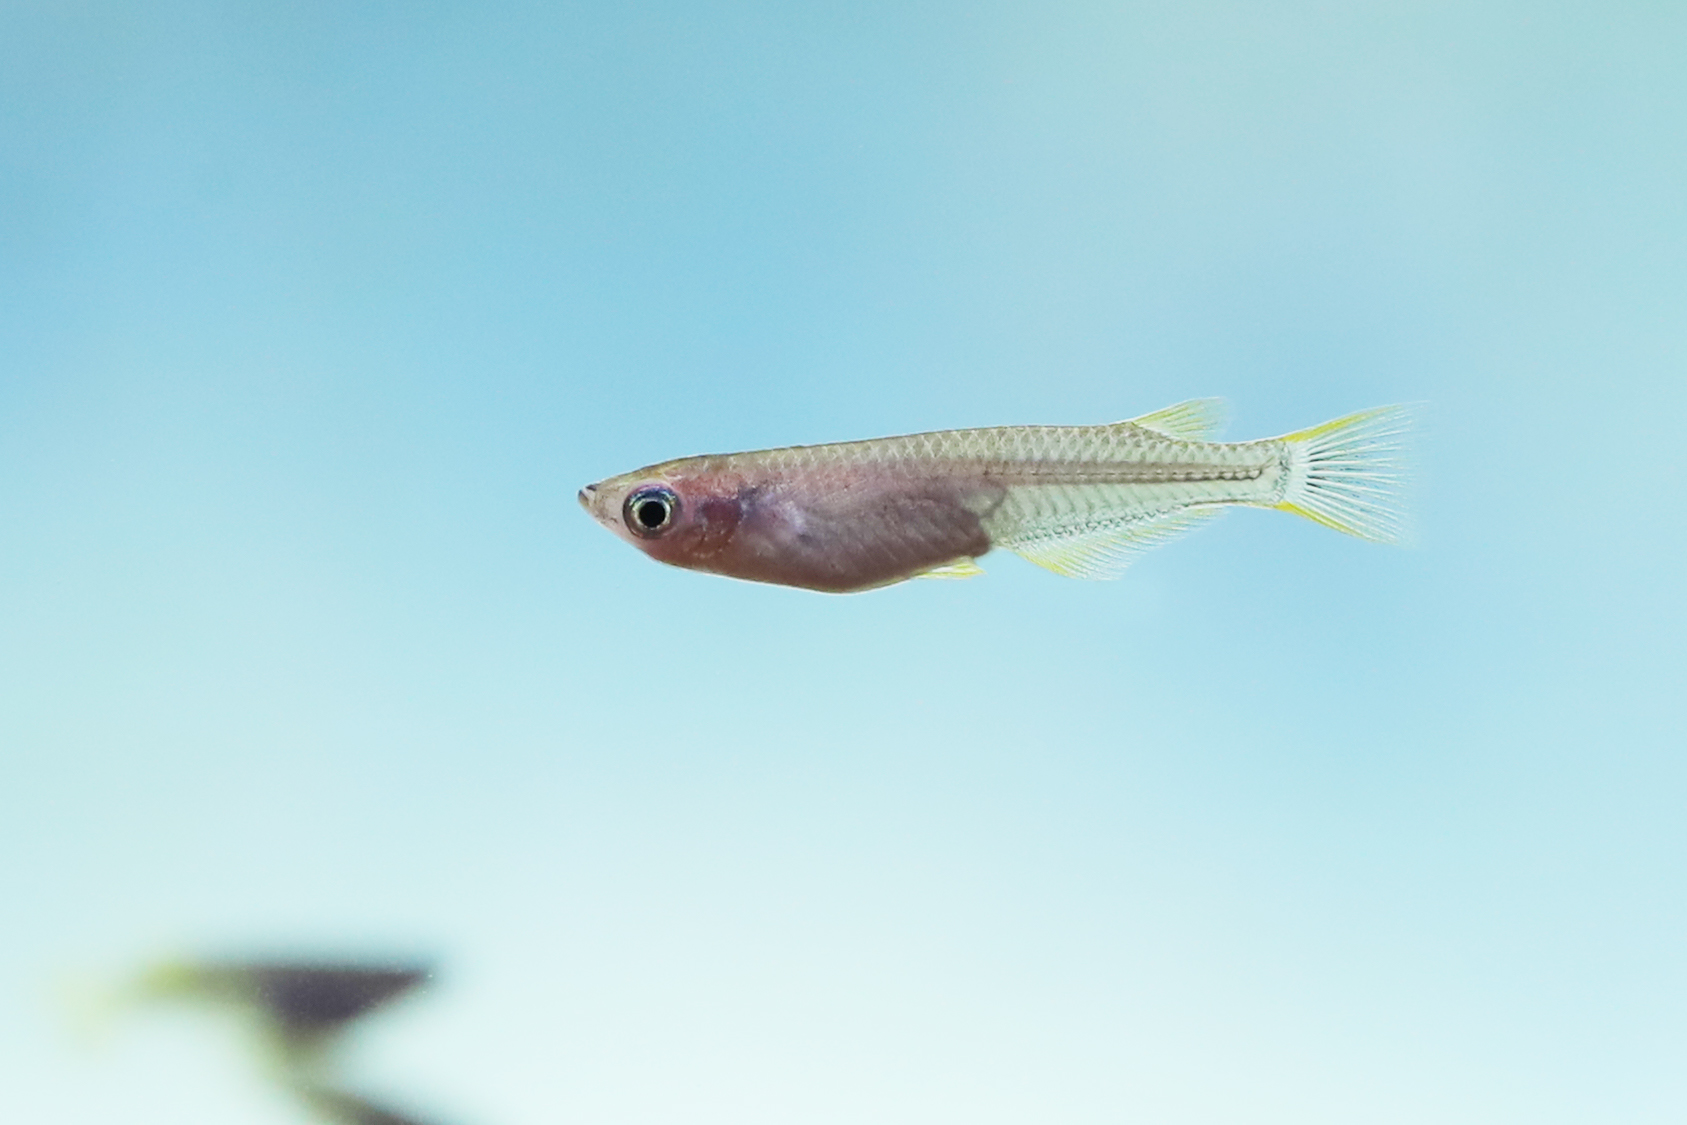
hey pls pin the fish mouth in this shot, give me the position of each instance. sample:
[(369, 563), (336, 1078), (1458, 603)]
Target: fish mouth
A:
[(587, 496)]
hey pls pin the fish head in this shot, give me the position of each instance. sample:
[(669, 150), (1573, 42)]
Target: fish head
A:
[(679, 512)]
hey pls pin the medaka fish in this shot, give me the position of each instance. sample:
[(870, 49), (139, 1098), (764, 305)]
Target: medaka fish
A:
[(1082, 501)]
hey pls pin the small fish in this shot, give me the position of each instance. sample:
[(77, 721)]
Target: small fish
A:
[(1082, 501)]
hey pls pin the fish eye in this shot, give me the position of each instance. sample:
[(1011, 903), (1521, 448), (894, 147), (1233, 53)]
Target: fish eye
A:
[(650, 511)]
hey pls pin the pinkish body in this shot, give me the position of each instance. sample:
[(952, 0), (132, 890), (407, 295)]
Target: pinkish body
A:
[(835, 528)]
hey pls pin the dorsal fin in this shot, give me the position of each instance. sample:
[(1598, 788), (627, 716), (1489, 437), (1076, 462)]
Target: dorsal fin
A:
[(1199, 419), (1105, 551)]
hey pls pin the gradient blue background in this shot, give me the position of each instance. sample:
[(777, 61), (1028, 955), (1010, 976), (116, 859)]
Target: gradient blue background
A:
[(313, 317)]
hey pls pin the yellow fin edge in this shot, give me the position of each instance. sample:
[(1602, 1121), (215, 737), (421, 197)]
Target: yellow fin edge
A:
[(1198, 419), (1344, 422), (1307, 513)]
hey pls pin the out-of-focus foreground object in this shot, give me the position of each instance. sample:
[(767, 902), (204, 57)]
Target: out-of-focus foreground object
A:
[(300, 1011)]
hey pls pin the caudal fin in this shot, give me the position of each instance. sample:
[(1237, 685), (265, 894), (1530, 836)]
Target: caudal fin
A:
[(1351, 473)]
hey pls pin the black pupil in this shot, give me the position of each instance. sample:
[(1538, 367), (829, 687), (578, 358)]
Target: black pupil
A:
[(651, 514)]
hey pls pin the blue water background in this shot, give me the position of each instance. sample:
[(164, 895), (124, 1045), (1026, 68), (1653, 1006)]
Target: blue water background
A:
[(313, 317)]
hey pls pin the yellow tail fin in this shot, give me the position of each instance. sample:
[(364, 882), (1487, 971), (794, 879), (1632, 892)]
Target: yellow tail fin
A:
[(1351, 473)]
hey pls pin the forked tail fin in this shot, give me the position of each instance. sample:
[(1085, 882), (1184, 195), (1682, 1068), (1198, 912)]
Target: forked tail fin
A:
[(1351, 474)]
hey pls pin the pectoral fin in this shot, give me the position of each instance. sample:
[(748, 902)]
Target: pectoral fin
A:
[(956, 568)]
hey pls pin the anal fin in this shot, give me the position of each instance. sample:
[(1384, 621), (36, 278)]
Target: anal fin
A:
[(1105, 551)]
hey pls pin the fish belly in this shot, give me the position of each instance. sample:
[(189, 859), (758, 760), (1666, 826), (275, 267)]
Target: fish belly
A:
[(843, 535)]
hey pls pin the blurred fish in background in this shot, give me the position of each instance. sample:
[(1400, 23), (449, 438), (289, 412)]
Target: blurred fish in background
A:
[(299, 1012)]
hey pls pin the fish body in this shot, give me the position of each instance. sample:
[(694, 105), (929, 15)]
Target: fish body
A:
[(1079, 500)]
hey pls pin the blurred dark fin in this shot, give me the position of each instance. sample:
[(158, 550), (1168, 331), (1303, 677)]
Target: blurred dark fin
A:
[(304, 1001), (307, 1000), (349, 1109)]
